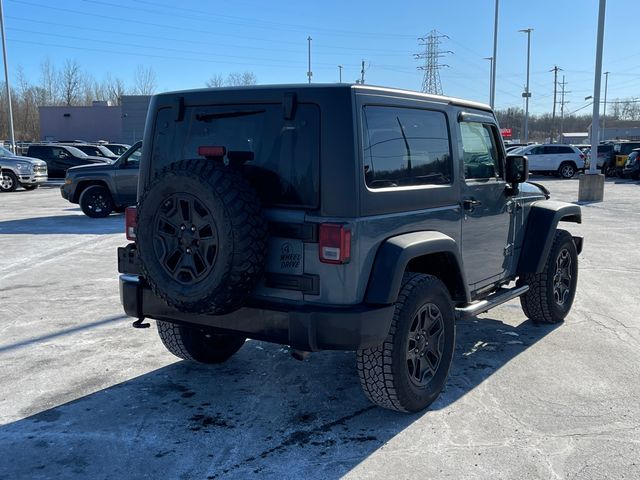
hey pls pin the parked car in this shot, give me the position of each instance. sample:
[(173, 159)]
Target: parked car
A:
[(564, 160), (17, 171), (60, 158), (622, 151), (342, 217), (95, 150), (103, 188), (606, 159), (117, 148), (632, 166)]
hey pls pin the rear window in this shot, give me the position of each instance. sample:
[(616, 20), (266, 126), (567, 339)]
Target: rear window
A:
[(280, 157)]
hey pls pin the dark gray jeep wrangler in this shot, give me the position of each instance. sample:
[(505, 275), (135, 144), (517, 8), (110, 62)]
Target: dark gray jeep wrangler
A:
[(338, 217)]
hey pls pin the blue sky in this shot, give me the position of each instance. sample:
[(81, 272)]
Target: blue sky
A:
[(187, 42)]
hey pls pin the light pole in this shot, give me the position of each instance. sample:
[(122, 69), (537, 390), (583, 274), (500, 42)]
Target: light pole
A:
[(527, 93), (604, 113), (340, 68), (6, 81), (492, 96), (491, 99), (591, 186), (309, 73)]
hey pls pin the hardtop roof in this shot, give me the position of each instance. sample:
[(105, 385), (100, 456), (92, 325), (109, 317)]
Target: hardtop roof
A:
[(368, 89)]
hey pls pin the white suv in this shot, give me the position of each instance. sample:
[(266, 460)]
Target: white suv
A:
[(564, 160)]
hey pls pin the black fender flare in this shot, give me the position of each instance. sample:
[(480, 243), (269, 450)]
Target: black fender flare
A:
[(542, 223), (395, 253)]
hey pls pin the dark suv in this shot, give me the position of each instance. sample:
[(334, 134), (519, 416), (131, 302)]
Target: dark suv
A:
[(103, 188), (338, 217), (60, 158)]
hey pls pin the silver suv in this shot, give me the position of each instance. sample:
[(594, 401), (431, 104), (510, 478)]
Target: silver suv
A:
[(17, 171), (563, 160)]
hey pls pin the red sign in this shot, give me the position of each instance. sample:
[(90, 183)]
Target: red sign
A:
[(506, 132)]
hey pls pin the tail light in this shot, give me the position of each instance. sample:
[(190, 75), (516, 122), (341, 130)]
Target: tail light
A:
[(583, 156), (212, 151), (130, 222), (335, 243)]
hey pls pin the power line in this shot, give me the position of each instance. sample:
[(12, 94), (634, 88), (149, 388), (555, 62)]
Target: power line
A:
[(431, 55)]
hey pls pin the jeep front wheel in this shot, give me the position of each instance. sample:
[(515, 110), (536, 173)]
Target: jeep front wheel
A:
[(551, 292), (407, 372), (198, 345)]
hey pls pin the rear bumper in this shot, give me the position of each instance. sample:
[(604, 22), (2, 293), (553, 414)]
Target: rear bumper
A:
[(308, 328)]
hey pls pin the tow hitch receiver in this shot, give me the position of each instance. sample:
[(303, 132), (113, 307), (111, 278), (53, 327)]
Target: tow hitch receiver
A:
[(138, 323)]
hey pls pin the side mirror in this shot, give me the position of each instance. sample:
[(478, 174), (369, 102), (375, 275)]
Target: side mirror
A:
[(517, 169)]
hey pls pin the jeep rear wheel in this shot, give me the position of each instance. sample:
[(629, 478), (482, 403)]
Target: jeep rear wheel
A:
[(567, 170), (551, 292), (407, 372), (198, 345), (201, 237)]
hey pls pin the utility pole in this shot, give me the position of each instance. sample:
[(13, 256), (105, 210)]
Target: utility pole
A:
[(562, 104), (340, 69), (309, 72), (431, 55), (362, 74), (6, 80), (492, 96), (527, 93), (604, 113), (555, 91), (491, 91)]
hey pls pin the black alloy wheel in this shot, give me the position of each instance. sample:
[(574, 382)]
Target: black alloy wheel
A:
[(95, 202), (562, 277), (186, 238), (425, 344)]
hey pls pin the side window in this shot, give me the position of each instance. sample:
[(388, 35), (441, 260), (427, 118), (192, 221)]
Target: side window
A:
[(60, 153), (480, 151), (133, 160), (536, 151), (552, 150), (406, 146)]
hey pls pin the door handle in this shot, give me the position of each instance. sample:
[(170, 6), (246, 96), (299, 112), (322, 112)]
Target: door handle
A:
[(470, 204)]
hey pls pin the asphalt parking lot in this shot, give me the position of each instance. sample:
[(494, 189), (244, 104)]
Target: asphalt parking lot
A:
[(84, 395)]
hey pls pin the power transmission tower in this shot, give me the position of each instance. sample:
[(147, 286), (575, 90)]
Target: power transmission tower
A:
[(555, 70), (562, 104), (432, 55)]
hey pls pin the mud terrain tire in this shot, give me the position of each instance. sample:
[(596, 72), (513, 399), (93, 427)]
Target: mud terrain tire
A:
[(201, 237)]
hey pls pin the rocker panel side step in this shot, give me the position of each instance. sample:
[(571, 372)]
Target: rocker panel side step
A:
[(501, 296)]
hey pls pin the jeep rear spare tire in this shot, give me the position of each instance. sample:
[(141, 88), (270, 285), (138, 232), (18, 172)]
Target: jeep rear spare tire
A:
[(201, 237)]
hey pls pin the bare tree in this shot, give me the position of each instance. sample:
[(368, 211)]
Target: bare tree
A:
[(49, 82), (236, 79), (71, 83), (115, 89), (215, 81), (144, 81)]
